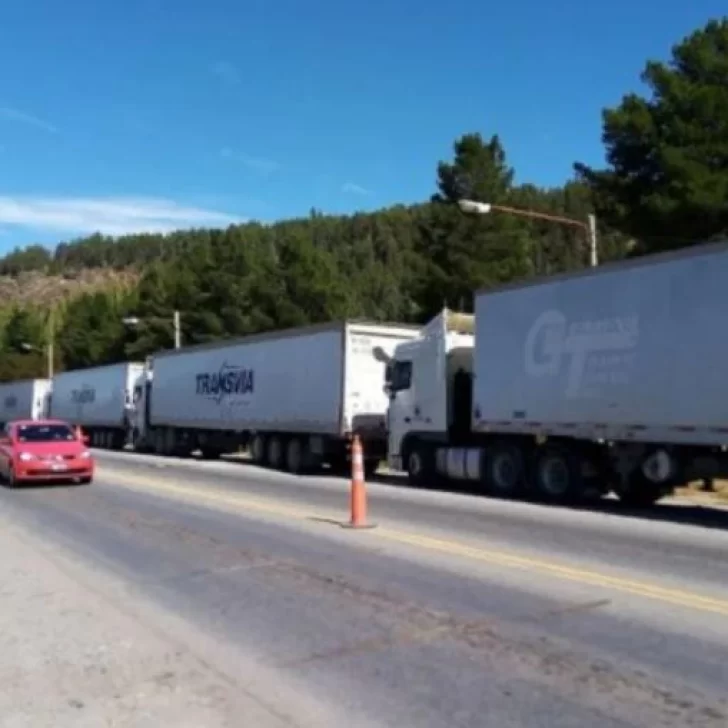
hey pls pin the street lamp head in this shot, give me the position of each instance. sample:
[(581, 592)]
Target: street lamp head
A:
[(473, 207)]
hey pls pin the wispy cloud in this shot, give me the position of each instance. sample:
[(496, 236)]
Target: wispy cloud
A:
[(355, 189), (258, 164), (23, 117), (226, 72), (108, 215)]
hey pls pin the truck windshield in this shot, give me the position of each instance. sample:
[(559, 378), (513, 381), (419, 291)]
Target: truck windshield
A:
[(45, 433)]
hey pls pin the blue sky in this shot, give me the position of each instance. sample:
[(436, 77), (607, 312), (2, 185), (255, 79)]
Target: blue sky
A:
[(155, 114)]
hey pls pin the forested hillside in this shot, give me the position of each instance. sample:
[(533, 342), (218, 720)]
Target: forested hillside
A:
[(399, 264), (666, 185)]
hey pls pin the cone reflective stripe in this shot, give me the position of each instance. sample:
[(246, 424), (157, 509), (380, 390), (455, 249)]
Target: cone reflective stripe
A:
[(358, 486)]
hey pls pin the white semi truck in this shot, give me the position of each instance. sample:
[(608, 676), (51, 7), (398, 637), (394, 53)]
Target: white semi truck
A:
[(26, 399), (99, 399), (292, 397), (607, 379)]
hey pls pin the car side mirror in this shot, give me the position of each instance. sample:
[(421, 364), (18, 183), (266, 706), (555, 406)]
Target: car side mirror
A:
[(86, 439)]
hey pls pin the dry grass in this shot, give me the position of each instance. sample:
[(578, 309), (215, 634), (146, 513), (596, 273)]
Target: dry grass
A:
[(695, 490), (40, 289)]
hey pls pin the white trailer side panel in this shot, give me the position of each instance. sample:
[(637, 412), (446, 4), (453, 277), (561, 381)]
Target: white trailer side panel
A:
[(289, 383), (95, 397), (365, 401), (26, 399), (631, 351)]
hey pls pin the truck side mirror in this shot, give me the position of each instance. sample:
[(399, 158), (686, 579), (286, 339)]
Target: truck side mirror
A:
[(380, 355)]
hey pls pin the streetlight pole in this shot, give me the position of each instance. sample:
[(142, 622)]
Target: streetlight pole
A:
[(176, 323), (177, 331), (472, 207), (50, 346), (593, 260)]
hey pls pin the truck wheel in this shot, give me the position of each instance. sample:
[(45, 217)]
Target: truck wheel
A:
[(258, 450), (294, 455), (556, 475), (419, 465), (275, 452), (504, 471)]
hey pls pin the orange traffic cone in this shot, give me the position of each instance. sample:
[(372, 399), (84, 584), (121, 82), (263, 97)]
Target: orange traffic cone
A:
[(358, 487)]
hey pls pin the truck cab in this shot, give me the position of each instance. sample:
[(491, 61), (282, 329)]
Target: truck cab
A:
[(429, 381), (140, 406)]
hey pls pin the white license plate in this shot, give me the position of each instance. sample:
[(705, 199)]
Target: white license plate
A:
[(56, 467)]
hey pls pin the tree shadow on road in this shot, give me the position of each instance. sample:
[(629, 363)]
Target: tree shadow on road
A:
[(674, 510)]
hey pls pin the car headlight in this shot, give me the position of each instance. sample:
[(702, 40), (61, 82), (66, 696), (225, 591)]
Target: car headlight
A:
[(85, 455), (25, 456)]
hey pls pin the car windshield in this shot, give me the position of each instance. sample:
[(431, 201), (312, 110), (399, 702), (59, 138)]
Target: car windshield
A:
[(45, 433)]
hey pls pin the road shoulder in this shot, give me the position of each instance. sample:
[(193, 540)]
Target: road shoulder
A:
[(71, 656)]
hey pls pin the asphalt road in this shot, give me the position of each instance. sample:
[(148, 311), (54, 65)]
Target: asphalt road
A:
[(452, 611)]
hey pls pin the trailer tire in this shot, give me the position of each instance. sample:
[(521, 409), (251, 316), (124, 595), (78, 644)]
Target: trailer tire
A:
[(504, 470), (294, 456), (556, 475), (259, 449), (275, 452), (158, 440)]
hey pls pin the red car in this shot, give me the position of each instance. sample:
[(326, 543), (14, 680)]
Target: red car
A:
[(43, 451)]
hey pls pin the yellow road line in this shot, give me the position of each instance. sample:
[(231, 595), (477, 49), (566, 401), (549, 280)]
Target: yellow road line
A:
[(244, 503)]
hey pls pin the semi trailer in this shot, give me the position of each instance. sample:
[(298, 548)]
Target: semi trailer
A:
[(608, 379), (99, 399), (26, 399), (293, 398)]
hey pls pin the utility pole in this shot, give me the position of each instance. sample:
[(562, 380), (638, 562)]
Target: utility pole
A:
[(177, 331), (589, 229), (51, 334), (176, 325), (593, 259)]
